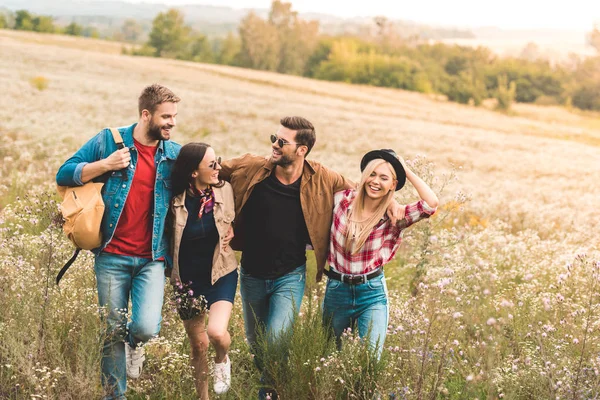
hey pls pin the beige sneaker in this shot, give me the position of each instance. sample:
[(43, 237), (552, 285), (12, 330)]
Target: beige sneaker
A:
[(134, 359), (222, 377)]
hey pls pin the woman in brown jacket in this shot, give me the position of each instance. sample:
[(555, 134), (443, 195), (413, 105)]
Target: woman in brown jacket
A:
[(204, 265)]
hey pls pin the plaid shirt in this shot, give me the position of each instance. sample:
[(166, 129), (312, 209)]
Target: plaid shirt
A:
[(381, 245)]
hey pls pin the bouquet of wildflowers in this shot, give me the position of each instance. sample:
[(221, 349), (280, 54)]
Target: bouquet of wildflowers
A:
[(188, 306)]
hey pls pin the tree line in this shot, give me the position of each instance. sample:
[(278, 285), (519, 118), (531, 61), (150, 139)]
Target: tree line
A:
[(23, 20), (379, 56)]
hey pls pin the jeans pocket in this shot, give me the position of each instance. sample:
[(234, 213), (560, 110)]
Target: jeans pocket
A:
[(244, 274), (299, 274), (333, 284), (376, 283)]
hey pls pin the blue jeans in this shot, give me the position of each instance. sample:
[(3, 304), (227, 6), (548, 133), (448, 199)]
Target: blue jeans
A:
[(364, 306), (271, 304), (117, 278)]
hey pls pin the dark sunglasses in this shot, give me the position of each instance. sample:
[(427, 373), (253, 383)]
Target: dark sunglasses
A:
[(215, 164), (280, 141)]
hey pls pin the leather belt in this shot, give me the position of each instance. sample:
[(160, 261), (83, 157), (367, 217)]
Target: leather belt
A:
[(353, 279)]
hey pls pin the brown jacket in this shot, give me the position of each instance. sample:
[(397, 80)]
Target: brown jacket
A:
[(224, 261), (317, 188)]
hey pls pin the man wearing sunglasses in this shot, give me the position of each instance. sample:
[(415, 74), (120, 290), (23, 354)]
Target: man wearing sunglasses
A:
[(282, 204)]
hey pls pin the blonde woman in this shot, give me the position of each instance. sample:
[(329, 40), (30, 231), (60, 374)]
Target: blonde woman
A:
[(363, 240), (204, 265)]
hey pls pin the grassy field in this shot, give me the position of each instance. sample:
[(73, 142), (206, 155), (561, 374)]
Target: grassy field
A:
[(505, 279)]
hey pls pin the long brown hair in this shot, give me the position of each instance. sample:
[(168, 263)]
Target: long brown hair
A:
[(359, 228)]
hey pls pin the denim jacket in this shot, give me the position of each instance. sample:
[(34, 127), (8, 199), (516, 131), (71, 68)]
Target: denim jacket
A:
[(118, 183)]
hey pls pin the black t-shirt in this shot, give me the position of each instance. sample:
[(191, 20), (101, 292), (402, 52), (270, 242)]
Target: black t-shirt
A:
[(274, 230)]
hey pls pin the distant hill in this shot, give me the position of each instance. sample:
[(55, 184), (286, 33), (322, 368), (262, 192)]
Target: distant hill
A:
[(205, 18), (108, 16), (552, 44)]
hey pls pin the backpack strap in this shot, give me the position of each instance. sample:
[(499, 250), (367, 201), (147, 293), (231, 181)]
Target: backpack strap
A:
[(119, 141), (117, 138), (67, 265)]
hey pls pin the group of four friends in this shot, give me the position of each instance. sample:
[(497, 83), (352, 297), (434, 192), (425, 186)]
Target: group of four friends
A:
[(174, 209)]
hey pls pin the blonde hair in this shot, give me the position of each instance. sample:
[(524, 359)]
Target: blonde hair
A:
[(359, 228)]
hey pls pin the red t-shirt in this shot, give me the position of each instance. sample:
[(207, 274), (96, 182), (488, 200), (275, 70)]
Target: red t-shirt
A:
[(133, 234)]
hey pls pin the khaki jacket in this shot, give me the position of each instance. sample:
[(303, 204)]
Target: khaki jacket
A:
[(317, 188), (224, 261)]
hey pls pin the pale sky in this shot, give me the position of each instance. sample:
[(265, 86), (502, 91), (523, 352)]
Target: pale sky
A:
[(508, 14)]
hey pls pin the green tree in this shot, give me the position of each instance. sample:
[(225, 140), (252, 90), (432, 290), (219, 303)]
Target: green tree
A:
[(131, 30), (533, 79), (44, 23), (3, 21), (229, 49), (259, 43), (587, 97), (297, 38), (91, 32), (506, 93), (457, 65), (586, 90), (169, 35), (341, 62), (319, 55), (199, 49), (23, 20), (465, 88), (73, 29)]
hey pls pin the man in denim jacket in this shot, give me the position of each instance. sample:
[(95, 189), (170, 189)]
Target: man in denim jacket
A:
[(131, 259)]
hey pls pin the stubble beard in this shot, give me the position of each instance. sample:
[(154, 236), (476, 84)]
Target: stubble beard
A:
[(284, 161), (155, 131)]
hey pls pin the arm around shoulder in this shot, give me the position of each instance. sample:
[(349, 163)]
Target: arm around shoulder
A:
[(228, 197), (228, 167), (338, 181)]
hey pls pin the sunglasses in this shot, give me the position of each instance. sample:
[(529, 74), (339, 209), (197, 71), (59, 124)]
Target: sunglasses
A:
[(280, 141), (215, 164)]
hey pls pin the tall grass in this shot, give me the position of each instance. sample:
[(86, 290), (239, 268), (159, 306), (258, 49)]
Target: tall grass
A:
[(304, 363), (494, 315)]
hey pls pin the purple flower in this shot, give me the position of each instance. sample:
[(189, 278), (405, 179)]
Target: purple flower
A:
[(190, 292), (178, 300)]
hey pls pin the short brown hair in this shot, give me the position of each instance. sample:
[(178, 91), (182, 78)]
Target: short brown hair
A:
[(305, 131), (154, 95)]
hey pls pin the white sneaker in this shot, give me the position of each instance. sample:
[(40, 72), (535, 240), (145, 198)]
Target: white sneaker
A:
[(222, 377), (134, 359)]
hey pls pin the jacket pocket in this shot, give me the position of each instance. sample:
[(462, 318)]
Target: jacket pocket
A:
[(224, 261), (166, 193), (320, 202), (112, 185)]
